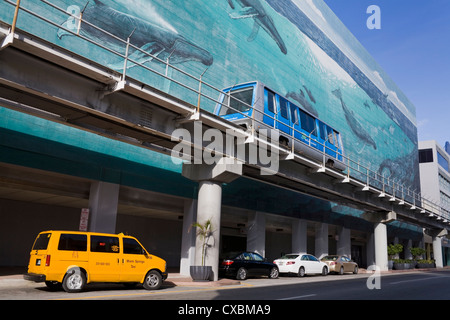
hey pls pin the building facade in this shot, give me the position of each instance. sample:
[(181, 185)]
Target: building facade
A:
[(299, 48), (435, 180)]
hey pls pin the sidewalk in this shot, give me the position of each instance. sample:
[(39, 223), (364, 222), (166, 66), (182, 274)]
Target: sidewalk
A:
[(176, 279)]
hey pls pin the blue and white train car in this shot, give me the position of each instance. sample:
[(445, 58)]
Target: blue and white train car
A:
[(253, 103)]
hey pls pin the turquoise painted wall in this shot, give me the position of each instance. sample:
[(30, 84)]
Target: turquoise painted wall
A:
[(299, 48)]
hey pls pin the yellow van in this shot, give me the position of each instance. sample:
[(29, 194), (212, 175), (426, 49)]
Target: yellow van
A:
[(72, 259)]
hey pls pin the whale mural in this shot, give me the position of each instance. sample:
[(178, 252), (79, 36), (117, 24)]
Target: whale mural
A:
[(300, 98), (356, 127), (253, 9), (153, 40), (298, 48)]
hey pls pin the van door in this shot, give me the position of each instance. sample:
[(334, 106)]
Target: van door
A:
[(104, 259), (135, 261)]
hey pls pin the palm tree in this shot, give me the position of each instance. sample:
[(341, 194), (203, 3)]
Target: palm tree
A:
[(204, 231)]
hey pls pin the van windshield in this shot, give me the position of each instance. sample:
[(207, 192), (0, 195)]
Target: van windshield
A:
[(240, 100), (41, 242)]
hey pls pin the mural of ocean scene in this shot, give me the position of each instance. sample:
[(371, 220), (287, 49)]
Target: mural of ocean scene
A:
[(299, 48)]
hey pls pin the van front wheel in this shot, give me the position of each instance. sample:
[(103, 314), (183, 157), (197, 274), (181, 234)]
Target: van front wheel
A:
[(74, 281), (153, 280)]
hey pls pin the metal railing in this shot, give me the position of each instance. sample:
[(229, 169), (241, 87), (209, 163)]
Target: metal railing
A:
[(384, 186)]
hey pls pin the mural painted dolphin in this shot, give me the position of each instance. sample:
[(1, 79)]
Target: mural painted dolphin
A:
[(149, 37), (300, 98), (255, 10), (356, 127)]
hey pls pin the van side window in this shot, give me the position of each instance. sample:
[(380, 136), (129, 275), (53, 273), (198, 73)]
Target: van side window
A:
[(72, 242), (131, 246), (104, 244)]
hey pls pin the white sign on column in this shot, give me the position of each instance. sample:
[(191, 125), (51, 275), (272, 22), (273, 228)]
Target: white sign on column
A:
[(84, 219)]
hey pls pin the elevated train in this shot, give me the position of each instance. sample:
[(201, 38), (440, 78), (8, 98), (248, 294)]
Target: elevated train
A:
[(253, 103)]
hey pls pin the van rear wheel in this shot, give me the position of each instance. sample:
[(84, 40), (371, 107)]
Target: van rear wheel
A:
[(74, 281), (153, 280)]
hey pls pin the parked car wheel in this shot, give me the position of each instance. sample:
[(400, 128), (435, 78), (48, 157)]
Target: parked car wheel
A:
[(324, 271), (274, 273), (301, 272), (242, 274), (153, 280), (355, 271), (341, 270), (74, 281)]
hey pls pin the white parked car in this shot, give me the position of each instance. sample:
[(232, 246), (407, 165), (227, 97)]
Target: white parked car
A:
[(301, 264)]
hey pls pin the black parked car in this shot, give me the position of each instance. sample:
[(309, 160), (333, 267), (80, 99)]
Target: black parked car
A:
[(243, 264)]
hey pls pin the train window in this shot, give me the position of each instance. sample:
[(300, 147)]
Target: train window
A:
[(322, 130), (336, 139), (271, 101), (294, 113), (284, 108), (239, 99), (330, 135), (308, 123)]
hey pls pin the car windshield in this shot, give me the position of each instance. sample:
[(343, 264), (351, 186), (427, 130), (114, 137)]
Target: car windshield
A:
[(290, 256)]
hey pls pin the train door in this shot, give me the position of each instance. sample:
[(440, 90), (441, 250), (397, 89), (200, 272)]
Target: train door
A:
[(322, 135), (270, 108), (330, 142), (283, 123), (295, 120)]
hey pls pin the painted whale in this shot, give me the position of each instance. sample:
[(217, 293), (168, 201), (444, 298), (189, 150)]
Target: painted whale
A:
[(254, 9), (356, 127), (300, 98), (399, 169), (150, 38)]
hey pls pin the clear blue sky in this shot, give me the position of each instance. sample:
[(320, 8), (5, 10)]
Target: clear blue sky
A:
[(413, 47)]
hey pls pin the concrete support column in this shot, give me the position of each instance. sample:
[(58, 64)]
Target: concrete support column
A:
[(436, 236), (380, 242), (321, 241), (344, 245), (370, 250), (209, 205), (437, 251), (299, 236), (256, 236), (380, 236), (406, 250), (210, 179), (188, 236), (103, 202)]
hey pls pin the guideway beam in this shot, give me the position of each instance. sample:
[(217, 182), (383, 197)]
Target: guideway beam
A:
[(210, 179)]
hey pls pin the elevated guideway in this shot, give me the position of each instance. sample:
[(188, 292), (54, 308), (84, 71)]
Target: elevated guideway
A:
[(40, 78)]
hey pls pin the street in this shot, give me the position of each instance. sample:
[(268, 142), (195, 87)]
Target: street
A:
[(430, 285)]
